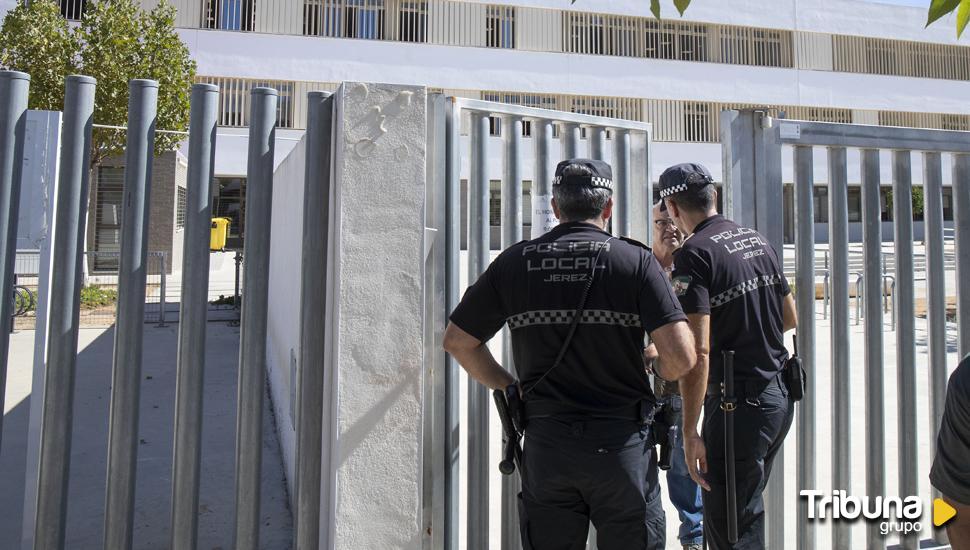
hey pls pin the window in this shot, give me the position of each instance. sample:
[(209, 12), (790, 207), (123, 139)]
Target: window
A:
[(181, 205), (948, 204), (767, 46), (229, 15), (660, 40), (234, 101), (697, 123), (364, 19), (495, 202), (230, 202), (500, 27), (734, 46), (107, 222), (412, 21), (855, 204), (820, 204), (72, 10)]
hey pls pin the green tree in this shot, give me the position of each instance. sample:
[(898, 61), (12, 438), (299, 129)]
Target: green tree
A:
[(38, 40), (115, 42)]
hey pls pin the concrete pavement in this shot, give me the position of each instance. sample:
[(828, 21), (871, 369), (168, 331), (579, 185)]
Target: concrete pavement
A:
[(153, 491)]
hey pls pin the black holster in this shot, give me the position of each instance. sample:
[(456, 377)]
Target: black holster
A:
[(794, 376), (666, 422)]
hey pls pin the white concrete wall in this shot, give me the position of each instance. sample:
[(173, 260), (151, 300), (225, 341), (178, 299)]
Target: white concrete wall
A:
[(283, 326), (377, 345)]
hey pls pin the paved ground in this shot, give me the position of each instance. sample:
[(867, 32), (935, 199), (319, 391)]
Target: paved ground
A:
[(88, 457)]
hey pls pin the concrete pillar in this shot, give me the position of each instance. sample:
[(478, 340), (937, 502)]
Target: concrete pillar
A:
[(374, 330)]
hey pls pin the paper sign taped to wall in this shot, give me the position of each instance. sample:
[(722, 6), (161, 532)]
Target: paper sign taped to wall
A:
[(543, 219)]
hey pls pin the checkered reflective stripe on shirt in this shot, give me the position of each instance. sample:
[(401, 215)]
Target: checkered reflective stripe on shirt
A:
[(744, 288), (565, 316)]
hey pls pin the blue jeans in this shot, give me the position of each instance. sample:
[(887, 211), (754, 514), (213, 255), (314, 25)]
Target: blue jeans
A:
[(685, 495)]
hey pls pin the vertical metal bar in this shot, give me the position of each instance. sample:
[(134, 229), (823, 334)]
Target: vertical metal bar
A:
[(252, 345), (597, 143), (839, 332), (542, 220), (123, 423), (875, 405), (621, 187), (190, 373), (71, 213), (13, 130), (569, 135), (478, 252), (935, 292), (903, 311), (126, 367), (805, 295), (162, 288), (313, 383), (453, 293), (511, 234), (961, 223)]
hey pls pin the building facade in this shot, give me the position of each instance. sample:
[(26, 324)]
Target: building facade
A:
[(852, 61)]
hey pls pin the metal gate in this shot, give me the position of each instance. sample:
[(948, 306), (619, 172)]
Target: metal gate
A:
[(754, 145), (46, 499), (464, 134)]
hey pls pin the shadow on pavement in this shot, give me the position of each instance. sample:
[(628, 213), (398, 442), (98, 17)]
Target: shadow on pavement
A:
[(153, 491)]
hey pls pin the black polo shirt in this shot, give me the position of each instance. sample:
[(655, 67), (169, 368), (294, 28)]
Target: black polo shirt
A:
[(535, 286), (733, 274), (951, 466)]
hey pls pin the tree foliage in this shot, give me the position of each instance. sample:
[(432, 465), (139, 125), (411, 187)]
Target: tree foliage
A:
[(115, 43), (38, 40)]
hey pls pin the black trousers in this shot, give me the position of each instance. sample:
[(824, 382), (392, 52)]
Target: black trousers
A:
[(760, 427), (604, 471)]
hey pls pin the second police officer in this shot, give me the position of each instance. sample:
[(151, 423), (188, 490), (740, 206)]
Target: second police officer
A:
[(578, 303), (736, 297)]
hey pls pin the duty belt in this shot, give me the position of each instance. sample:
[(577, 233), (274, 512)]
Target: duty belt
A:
[(743, 389), (642, 411)]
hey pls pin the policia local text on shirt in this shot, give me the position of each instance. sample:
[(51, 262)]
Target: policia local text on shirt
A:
[(589, 453), (737, 299)]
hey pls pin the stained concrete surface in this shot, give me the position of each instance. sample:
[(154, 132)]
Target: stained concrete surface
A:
[(85, 517)]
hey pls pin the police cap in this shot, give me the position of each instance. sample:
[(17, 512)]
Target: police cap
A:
[(684, 177), (600, 176)]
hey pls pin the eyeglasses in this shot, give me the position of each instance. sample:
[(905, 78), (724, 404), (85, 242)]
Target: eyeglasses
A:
[(664, 223)]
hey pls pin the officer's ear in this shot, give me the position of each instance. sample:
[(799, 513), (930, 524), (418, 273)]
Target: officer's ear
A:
[(608, 209), (555, 209)]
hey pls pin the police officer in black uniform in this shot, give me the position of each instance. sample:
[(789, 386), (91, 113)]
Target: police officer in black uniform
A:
[(732, 288), (589, 454)]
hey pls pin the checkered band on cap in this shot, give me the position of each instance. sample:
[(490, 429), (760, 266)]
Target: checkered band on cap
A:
[(593, 181), (673, 189)]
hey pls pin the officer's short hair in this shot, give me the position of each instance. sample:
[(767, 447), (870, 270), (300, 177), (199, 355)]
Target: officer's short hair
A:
[(579, 202), (698, 199), (690, 186)]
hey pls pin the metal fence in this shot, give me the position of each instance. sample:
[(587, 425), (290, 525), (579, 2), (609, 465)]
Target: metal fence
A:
[(139, 279), (99, 294), (452, 446), (754, 145)]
